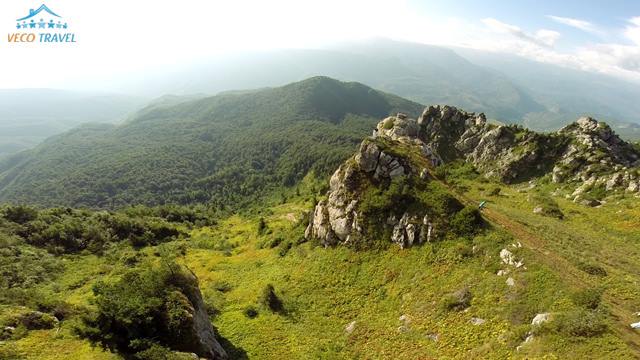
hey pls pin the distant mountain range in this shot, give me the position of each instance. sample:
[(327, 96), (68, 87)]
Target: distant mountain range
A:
[(507, 88), (28, 116)]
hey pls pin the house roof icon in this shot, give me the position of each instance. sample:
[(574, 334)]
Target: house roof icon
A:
[(33, 13)]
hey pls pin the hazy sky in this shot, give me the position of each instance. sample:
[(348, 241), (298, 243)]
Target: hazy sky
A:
[(117, 37)]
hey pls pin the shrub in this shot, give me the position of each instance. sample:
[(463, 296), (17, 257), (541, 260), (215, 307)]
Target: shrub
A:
[(581, 323), (588, 298), (494, 191), (262, 226), (222, 286), (250, 312), (458, 300), (284, 248), (36, 320), (275, 242), (153, 352), (592, 269), (148, 307), (270, 300), (598, 192), (546, 206), (466, 222), (20, 214)]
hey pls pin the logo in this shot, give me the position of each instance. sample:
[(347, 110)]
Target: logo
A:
[(42, 25)]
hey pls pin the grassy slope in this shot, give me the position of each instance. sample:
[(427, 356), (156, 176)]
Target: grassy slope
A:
[(607, 236), (323, 290)]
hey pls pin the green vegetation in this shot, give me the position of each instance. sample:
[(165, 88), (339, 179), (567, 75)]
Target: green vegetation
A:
[(129, 280), (417, 197), (65, 230), (545, 205), (299, 304), (148, 309), (227, 151)]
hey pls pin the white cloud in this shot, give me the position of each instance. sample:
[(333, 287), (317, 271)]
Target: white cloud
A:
[(542, 37), (632, 31), (615, 59), (576, 23)]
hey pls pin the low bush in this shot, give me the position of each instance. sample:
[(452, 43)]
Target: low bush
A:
[(592, 269), (588, 298), (20, 214), (458, 300), (36, 320), (270, 300), (284, 248), (576, 323), (250, 312), (466, 222), (546, 206), (149, 307)]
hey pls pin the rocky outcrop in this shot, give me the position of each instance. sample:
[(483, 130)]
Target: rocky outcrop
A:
[(597, 157), (586, 152), (338, 219), (197, 335)]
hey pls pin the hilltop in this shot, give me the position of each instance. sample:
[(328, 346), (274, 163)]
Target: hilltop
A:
[(227, 150)]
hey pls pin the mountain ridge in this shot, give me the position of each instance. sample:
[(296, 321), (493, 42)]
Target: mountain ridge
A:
[(193, 150), (585, 156)]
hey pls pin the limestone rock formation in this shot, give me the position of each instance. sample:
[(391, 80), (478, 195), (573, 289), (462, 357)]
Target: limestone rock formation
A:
[(597, 157), (337, 220), (585, 154), (198, 336)]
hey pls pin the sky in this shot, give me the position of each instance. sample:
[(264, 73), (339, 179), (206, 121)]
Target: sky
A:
[(119, 37)]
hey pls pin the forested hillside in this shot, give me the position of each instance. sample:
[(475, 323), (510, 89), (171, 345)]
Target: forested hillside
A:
[(225, 150)]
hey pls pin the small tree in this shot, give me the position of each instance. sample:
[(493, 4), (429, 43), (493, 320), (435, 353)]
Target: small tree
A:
[(20, 214), (271, 300), (262, 226), (466, 221)]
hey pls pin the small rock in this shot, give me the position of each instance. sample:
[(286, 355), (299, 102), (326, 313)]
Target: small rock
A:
[(507, 257), (433, 337), (477, 321), (636, 325), (350, 327), (502, 272), (538, 210), (405, 319), (403, 328), (541, 318), (511, 282)]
